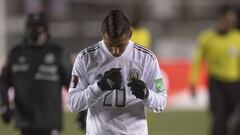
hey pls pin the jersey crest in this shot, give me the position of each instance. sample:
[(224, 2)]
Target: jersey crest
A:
[(133, 73), (49, 58), (74, 81)]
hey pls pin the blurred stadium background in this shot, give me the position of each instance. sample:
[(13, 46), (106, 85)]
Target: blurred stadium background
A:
[(174, 25)]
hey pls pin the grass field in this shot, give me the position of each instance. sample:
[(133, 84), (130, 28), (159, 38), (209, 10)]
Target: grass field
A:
[(167, 123)]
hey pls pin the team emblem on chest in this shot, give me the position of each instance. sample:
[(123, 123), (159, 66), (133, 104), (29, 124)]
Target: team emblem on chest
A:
[(49, 58), (20, 65), (22, 59), (48, 70), (133, 73)]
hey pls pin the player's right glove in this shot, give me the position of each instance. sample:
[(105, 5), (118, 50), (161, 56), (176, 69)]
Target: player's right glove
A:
[(111, 80), (6, 114), (138, 88)]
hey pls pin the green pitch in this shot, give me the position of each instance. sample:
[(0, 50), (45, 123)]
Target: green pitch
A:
[(167, 123)]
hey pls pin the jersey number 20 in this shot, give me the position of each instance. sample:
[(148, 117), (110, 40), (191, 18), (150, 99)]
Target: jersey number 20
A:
[(115, 98)]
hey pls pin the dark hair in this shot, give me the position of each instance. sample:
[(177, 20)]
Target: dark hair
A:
[(224, 9), (115, 24), (37, 19), (238, 15)]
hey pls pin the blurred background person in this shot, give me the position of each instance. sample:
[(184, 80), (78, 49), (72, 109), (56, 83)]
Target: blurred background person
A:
[(141, 35), (37, 70), (219, 47)]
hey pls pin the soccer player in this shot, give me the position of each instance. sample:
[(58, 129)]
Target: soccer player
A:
[(220, 48), (115, 79), (36, 69)]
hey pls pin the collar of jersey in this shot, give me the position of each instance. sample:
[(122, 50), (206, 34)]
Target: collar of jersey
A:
[(124, 54)]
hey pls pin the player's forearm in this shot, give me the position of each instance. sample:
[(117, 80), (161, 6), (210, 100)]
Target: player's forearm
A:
[(196, 67), (79, 100), (156, 101)]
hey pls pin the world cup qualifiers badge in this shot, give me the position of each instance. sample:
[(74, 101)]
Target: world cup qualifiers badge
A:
[(159, 85), (133, 73)]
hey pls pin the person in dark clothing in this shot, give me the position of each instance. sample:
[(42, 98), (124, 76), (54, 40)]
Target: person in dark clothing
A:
[(37, 71)]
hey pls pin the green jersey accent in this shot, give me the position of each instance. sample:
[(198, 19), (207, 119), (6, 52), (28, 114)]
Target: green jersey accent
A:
[(159, 85)]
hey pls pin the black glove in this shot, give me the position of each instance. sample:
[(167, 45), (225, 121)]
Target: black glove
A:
[(111, 80), (138, 88), (6, 114)]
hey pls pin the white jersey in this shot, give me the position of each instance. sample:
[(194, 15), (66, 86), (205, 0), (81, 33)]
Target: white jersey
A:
[(116, 112)]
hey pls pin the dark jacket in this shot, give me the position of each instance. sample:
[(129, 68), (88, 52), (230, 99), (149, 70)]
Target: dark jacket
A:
[(37, 75)]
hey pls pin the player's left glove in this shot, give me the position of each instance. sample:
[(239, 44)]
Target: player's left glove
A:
[(111, 80), (138, 88)]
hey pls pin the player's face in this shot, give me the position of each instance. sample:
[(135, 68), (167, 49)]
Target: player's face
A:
[(230, 19), (116, 46), (36, 34)]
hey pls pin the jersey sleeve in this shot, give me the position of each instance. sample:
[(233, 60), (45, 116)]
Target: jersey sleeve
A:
[(157, 98), (82, 95), (198, 58)]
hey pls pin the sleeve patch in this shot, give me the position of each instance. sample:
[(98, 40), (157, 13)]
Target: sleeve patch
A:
[(74, 81), (159, 85)]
